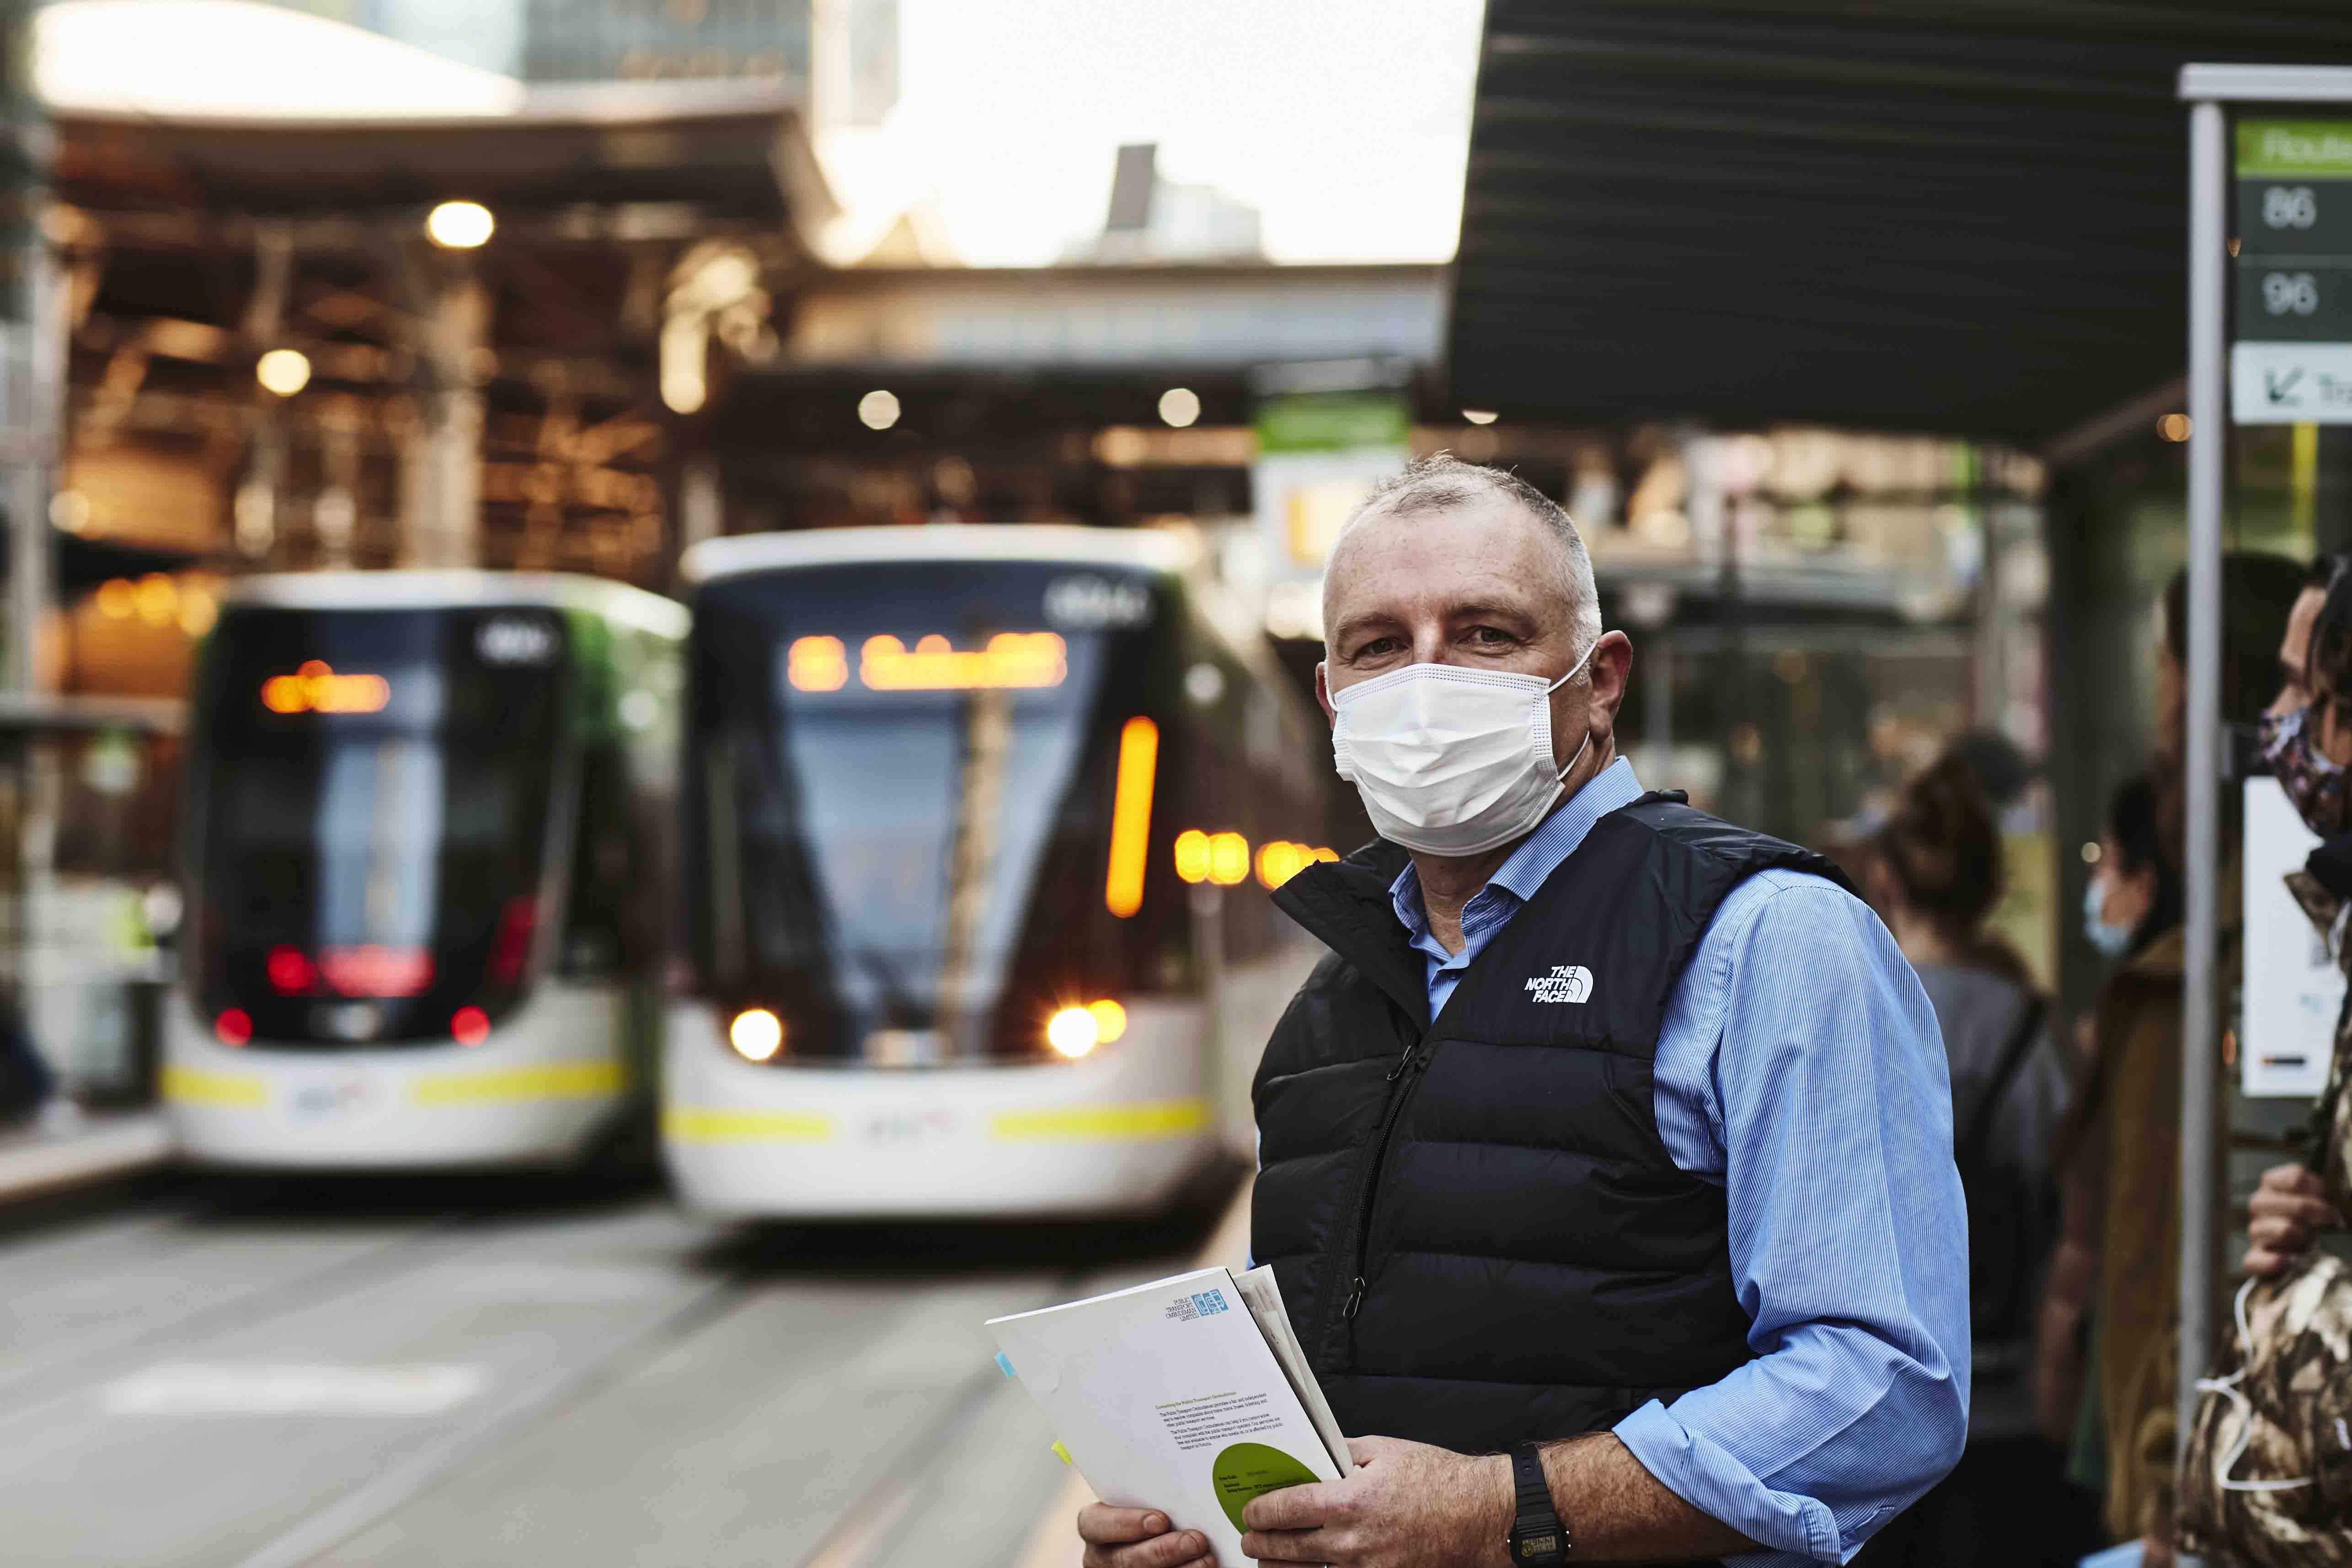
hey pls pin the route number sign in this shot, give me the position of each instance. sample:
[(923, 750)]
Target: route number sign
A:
[(2292, 362)]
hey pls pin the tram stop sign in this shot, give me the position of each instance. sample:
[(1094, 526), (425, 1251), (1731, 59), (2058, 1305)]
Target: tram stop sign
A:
[(2292, 362)]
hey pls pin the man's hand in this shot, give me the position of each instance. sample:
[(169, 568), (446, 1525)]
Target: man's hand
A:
[(2290, 1204), (1138, 1538), (1407, 1505)]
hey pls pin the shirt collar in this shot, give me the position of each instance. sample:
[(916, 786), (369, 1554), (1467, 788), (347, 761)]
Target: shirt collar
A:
[(1540, 853)]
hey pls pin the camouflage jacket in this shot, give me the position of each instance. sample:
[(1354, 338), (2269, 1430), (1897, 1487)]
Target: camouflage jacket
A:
[(2266, 1476)]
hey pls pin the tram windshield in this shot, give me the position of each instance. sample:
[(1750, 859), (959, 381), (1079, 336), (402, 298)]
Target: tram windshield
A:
[(895, 840), (371, 804)]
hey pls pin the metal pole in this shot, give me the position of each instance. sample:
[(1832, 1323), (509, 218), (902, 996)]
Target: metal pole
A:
[(2208, 190), (30, 377)]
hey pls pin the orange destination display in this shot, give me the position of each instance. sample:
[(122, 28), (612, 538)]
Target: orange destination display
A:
[(1008, 661), (314, 688)]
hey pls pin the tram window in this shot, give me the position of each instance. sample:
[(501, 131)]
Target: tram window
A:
[(607, 911)]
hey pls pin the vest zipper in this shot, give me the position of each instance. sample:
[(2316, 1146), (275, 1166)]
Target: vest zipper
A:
[(1407, 1069)]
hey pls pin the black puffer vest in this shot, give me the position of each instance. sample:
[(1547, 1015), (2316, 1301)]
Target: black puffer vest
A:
[(1477, 1228)]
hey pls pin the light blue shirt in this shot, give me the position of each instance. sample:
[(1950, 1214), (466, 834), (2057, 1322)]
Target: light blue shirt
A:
[(1800, 1068)]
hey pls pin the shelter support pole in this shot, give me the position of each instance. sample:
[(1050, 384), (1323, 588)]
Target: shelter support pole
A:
[(31, 350), (2200, 1033)]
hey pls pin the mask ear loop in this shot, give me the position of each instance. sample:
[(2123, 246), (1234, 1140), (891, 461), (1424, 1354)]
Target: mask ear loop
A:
[(1561, 776), (2228, 1388)]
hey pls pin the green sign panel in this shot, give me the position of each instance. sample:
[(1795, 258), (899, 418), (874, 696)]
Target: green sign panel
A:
[(1333, 422)]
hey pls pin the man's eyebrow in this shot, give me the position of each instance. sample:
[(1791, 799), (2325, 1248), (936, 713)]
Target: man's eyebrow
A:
[(1489, 608), (1358, 624)]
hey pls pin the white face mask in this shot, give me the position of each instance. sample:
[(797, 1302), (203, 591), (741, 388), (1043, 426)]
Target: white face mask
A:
[(1452, 761)]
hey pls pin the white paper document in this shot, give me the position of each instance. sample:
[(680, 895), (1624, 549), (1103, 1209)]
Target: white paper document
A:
[(1189, 1394)]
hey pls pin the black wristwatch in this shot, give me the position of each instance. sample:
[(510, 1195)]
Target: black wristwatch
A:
[(1539, 1538)]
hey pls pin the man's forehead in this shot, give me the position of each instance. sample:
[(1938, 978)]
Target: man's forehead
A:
[(1486, 550)]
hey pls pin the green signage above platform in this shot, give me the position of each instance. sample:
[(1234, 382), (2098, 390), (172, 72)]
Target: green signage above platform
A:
[(2317, 149)]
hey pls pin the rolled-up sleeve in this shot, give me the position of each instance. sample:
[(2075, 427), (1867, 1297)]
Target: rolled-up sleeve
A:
[(1800, 1066)]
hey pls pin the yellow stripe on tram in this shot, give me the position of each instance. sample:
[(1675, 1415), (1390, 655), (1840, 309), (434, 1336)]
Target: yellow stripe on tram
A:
[(728, 1124), (548, 1081), (1151, 1119), (195, 1086)]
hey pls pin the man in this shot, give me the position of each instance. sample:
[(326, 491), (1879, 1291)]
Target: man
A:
[(1605, 1126)]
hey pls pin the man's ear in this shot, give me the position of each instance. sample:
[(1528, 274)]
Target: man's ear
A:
[(1611, 670), (1323, 692)]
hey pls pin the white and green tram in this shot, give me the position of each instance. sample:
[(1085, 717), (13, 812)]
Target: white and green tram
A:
[(424, 858)]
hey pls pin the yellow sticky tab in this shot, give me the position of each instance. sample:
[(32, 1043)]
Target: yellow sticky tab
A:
[(1061, 1452)]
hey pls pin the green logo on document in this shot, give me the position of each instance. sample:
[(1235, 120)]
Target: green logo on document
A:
[(1252, 1469)]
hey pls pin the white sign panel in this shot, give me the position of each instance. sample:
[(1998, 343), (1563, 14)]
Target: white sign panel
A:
[(2291, 384), (2292, 989)]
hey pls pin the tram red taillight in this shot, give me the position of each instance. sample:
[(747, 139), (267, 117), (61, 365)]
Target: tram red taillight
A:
[(290, 971), (469, 1026), (233, 1026)]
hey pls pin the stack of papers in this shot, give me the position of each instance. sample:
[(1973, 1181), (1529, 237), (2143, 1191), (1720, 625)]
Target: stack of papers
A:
[(1190, 1394)]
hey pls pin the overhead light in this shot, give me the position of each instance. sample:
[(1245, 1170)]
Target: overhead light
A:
[(756, 1034), (283, 371), (459, 225), (877, 410), (1180, 406), (2174, 427), (1480, 415)]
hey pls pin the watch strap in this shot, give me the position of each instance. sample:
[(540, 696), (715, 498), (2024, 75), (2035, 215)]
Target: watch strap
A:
[(1538, 1536)]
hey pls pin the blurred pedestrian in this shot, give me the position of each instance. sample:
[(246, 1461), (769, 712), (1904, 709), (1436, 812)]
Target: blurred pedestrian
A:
[(2123, 1152), (1937, 878)]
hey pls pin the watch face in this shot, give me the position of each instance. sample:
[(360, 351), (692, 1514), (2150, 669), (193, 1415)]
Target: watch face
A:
[(1535, 1546)]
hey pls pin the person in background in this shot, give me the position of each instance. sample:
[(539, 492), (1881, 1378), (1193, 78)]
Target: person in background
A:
[(1935, 878), (2124, 1151), (2291, 1202), (2131, 904)]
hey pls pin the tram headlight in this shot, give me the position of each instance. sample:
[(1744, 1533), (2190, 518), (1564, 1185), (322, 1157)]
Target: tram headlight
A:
[(756, 1034), (1075, 1031)]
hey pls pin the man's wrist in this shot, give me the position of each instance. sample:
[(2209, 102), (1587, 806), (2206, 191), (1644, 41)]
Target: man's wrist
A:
[(1500, 1508)]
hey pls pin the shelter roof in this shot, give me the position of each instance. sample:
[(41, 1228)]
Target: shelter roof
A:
[(1894, 214)]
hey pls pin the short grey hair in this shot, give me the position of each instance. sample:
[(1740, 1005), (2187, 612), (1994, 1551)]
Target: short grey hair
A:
[(1441, 481)]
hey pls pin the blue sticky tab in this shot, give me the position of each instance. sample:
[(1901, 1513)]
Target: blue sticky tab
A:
[(1003, 1363)]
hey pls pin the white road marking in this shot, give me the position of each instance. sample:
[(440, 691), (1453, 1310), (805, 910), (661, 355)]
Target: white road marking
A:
[(408, 1389)]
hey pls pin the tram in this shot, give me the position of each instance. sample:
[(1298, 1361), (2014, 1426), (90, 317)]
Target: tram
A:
[(425, 830), (962, 806)]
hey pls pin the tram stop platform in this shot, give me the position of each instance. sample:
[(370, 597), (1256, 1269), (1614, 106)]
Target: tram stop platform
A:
[(96, 1148)]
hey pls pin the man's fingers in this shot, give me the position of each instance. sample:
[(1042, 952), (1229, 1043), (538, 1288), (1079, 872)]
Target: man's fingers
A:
[(1174, 1549), (1291, 1508), (1107, 1526), (2263, 1263), (2301, 1207), (1292, 1546), (2291, 1177)]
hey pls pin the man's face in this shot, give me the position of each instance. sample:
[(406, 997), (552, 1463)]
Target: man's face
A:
[(2294, 652), (1479, 585)]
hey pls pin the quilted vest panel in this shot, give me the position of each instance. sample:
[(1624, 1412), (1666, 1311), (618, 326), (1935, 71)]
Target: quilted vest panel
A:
[(1478, 1226)]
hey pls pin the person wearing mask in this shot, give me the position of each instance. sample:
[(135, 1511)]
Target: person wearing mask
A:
[(1935, 878), (1606, 1157), (2131, 914), (2125, 1153), (2292, 1203)]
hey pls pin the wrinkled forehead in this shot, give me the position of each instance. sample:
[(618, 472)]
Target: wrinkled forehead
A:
[(1486, 551)]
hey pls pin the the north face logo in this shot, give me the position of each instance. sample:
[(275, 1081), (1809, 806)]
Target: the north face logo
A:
[(1566, 983)]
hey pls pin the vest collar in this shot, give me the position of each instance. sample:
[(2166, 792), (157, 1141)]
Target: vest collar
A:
[(1345, 905)]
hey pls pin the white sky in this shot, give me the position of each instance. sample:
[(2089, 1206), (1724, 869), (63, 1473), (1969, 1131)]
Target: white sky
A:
[(1343, 122)]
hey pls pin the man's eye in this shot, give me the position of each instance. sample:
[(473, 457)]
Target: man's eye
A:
[(1489, 635), (1378, 647)]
